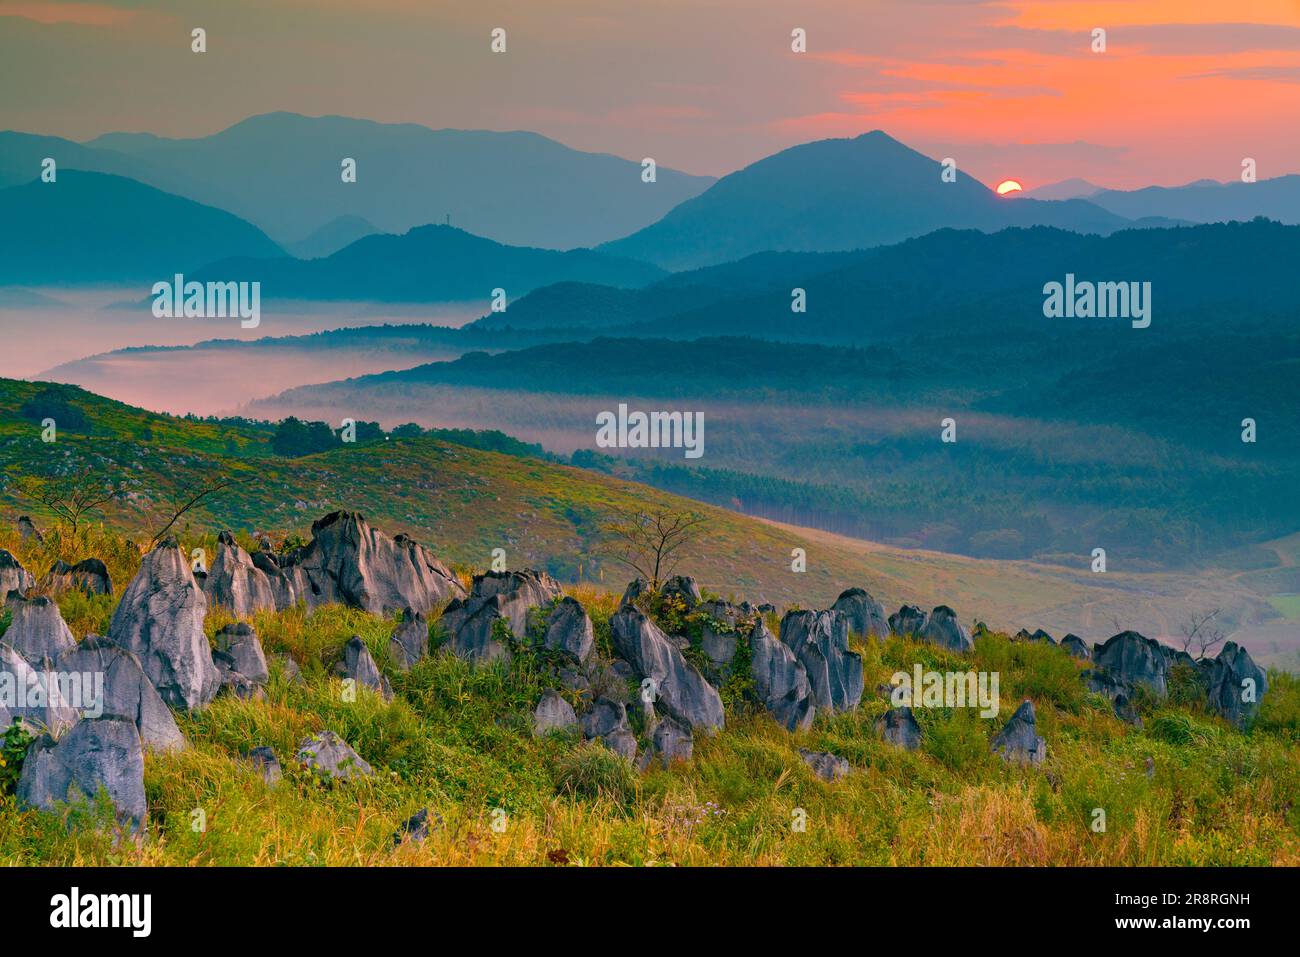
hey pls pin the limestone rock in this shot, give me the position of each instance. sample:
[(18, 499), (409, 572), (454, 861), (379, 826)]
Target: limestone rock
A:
[(865, 615), (1018, 742), (160, 620), (96, 753), (126, 691), (780, 681), (329, 756), (679, 687), (820, 642)]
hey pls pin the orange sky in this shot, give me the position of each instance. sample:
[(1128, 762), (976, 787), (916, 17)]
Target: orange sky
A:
[(1185, 89)]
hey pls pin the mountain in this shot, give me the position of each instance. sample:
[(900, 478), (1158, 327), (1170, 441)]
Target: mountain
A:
[(1208, 201), (1073, 188), (97, 228), (429, 264), (282, 171), (330, 238), (836, 195)]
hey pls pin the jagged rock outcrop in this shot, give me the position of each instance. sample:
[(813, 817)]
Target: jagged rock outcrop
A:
[(1077, 647), (1119, 692), (1135, 660), (1018, 742), (865, 615), (160, 620), (607, 722), (328, 755), (684, 588), (780, 681), (553, 713), (126, 690), (683, 692), (942, 628), (359, 665), (235, 583), (32, 695), (13, 577), (1037, 635), (908, 620), (719, 637), (37, 630), (241, 643), (569, 631), (97, 753), (354, 564), (827, 766), (820, 642), (89, 575), (285, 580), (410, 641), (898, 726), (27, 531), (470, 622), (671, 742), (1234, 684)]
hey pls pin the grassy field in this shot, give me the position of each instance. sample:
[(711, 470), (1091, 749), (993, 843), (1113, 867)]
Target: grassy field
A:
[(458, 740)]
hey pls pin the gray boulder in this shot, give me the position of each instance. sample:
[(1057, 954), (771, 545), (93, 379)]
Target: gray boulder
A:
[(1135, 660), (908, 620), (820, 642), (285, 579), (233, 683), (97, 753), (942, 628), (13, 577), (235, 583), (569, 631), (328, 755), (89, 575), (825, 765), (682, 587), (865, 615), (780, 681), (265, 763), (1118, 691), (671, 742), (1077, 647), (416, 827), (684, 693), (351, 563), (241, 643), (126, 691), (37, 630), (410, 641), (1018, 742), (359, 665), (634, 590), (27, 531), (1235, 684), (1037, 635), (553, 713), (898, 727), (607, 722)]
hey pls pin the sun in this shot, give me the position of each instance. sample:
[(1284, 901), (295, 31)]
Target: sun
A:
[(1008, 186)]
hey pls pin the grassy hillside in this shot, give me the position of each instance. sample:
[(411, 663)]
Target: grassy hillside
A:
[(465, 501), (458, 740)]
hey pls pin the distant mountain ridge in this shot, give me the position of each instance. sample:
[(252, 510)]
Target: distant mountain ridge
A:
[(282, 171), (841, 194)]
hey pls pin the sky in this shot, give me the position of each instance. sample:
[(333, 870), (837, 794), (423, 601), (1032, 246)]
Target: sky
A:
[(1185, 90)]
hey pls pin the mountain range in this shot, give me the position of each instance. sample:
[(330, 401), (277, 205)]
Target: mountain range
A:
[(282, 172)]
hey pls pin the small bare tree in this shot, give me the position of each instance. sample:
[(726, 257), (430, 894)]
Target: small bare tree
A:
[(651, 542), (73, 498), (186, 498), (1200, 634)]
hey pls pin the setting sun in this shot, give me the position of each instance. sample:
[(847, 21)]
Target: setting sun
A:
[(1008, 186)]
